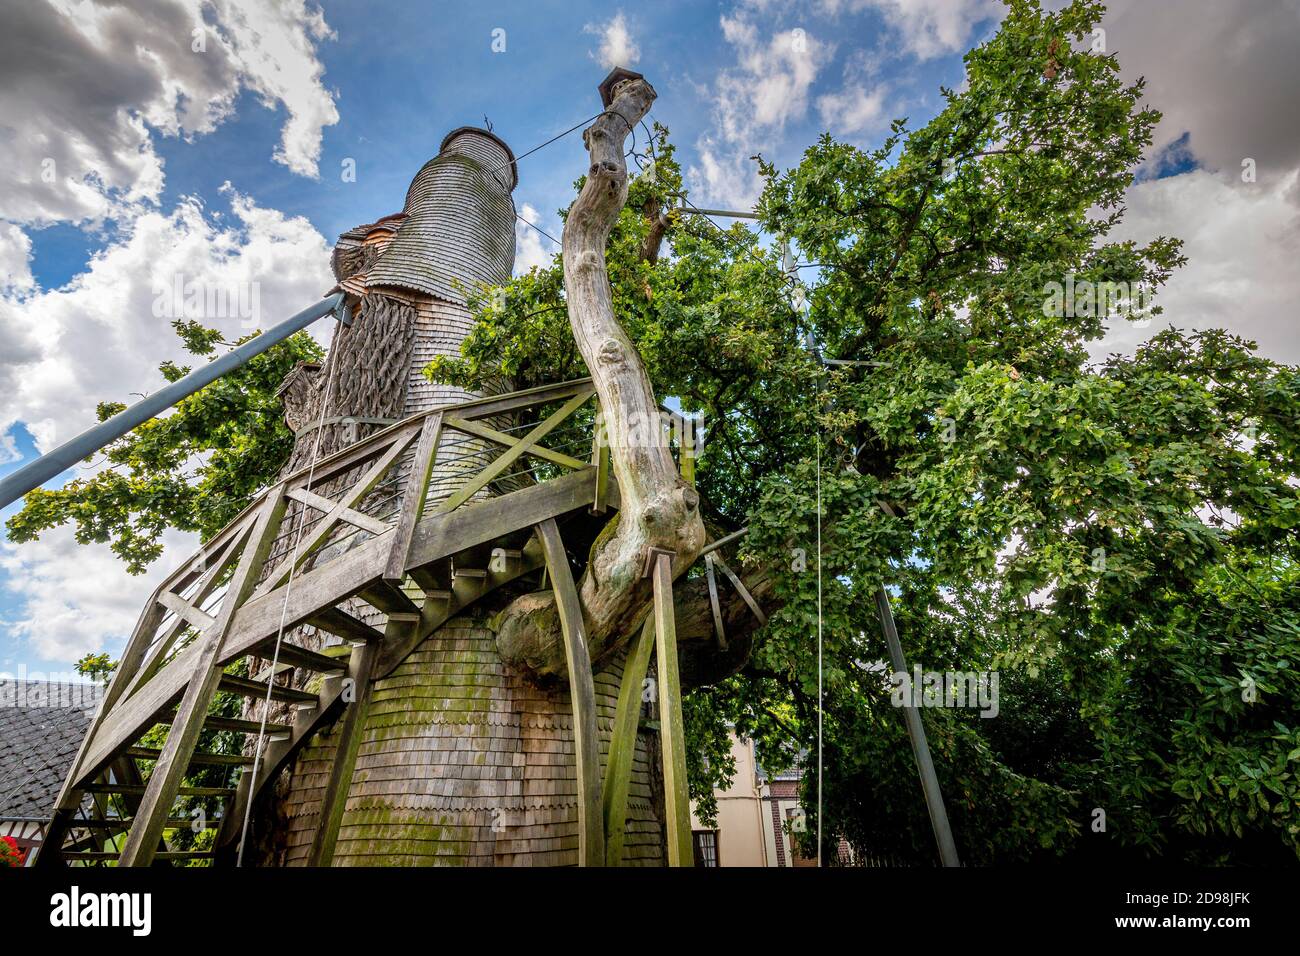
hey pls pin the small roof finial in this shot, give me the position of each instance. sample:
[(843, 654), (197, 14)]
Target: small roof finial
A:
[(616, 76)]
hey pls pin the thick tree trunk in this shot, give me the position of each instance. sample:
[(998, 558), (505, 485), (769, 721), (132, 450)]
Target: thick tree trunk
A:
[(658, 509)]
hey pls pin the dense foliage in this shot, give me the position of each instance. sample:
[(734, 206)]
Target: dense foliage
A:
[(1115, 538)]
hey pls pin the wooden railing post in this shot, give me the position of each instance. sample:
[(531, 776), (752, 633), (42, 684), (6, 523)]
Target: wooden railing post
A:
[(601, 460), (686, 448), (622, 742), (335, 799), (417, 484), (498, 467), (672, 737)]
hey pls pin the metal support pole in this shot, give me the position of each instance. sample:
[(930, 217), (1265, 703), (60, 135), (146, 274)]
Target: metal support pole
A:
[(728, 213), (37, 472), (920, 748)]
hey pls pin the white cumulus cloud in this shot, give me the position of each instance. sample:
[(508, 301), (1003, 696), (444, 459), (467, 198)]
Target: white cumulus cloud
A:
[(531, 247), (83, 83), (925, 28), (15, 259), (617, 45), (1242, 241), (854, 109), (102, 335), (98, 338), (753, 101), (74, 599)]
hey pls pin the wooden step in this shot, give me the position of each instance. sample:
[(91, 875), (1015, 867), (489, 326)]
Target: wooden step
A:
[(251, 688), (433, 579), (112, 855), (267, 672), (344, 625), (389, 598), (213, 722), (198, 757), (137, 790), (297, 656), (122, 823)]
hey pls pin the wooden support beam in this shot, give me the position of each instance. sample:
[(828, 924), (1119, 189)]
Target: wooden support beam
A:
[(443, 604), (109, 855), (240, 726), (740, 587), (138, 790), (306, 722), (718, 630), (353, 455), (226, 845), (672, 737), (600, 458), (723, 542), (209, 581), (622, 741), (685, 444), (160, 793), (582, 694), (495, 405), (434, 580), (334, 581), (295, 656), (113, 823), (70, 795), (183, 609), (256, 690), (197, 758), (275, 758), (417, 487), (335, 799), (389, 598), (513, 453)]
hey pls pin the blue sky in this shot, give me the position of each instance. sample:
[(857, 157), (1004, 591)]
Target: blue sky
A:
[(166, 160), (403, 79)]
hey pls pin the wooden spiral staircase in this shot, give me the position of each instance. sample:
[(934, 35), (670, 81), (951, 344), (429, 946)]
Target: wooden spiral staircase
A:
[(374, 542)]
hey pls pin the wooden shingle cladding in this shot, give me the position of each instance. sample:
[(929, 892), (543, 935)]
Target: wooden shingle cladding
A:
[(459, 231), (464, 763)]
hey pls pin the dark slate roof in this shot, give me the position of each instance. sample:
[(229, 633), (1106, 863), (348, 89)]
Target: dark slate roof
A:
[(41, 726)]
